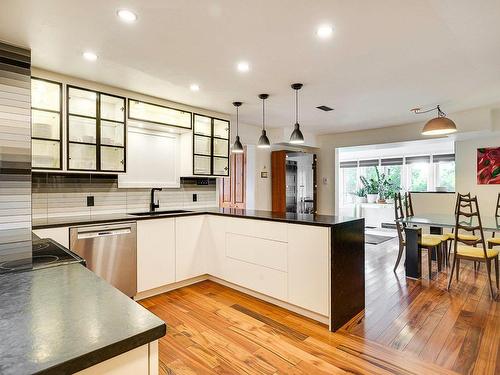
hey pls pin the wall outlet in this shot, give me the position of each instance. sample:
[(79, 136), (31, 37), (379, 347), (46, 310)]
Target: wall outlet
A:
[(90, 201), (195, 197)]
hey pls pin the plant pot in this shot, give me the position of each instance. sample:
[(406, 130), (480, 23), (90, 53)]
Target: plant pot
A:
[(359, 199), (371, 198), (381, 201)]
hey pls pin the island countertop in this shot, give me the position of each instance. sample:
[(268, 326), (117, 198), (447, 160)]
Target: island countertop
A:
[(287, 217), (64, 319)]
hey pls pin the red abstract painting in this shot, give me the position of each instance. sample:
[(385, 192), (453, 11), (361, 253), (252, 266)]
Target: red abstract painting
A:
[(488, 165)]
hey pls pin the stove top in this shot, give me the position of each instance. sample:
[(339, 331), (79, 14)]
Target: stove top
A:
[(44, 253)]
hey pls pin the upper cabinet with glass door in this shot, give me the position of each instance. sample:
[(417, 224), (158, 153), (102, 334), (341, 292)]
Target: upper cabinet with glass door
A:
[(96, 131), (46, 124), (158, 114), (210, 146)]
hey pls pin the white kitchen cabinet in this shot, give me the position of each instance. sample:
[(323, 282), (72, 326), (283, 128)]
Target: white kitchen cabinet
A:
[(139, 361), (152, 159), (190, 247), (215, 244), (308, 263), (59, 234), (155, 253)]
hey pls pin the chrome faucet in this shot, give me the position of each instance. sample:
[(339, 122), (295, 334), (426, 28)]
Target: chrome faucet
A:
[(153, 206)]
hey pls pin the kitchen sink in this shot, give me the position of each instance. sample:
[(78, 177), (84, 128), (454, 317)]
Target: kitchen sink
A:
[(153, 213)]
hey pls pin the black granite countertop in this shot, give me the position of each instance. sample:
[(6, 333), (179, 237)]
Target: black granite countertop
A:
[(63, 319), (305, 219)]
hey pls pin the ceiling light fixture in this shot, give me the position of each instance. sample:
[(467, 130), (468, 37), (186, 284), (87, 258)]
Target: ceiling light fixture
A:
[(194, 87), (90, 56), (263, 140), (324, 31), (296, 137), (243, 66), (439, 125), (127, 15), (237, 146)]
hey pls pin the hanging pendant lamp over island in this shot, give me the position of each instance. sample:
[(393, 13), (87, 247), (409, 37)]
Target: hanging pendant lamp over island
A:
[(297, 137), (439, 125), (263, 140), (237, 146)]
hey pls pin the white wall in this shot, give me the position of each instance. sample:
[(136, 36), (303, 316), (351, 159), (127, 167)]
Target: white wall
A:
[(465, 160), (473, 123)]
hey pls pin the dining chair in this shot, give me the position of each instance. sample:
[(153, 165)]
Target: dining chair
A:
[(428, 242), (469, 251), (442, 237), (495, 241), (408, 204), (470, 238)]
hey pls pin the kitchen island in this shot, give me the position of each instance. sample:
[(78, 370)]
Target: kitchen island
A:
[(310, 264), (65, 319)]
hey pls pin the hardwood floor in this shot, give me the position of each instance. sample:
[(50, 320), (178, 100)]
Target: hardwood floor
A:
[(409, 327)]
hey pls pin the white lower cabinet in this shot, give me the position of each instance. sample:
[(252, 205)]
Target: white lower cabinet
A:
[(190, 247), (289, 262), (155, 253), (60, 235), (142, 360), (308, 267)]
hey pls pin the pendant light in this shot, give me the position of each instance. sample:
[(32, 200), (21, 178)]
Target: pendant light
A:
[(263, 140), (297, 137), (439, 125), (237, 146)]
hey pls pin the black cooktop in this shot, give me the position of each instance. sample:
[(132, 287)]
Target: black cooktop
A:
[(44, 253)]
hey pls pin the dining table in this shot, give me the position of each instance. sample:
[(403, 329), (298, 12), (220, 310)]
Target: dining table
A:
[(436, 223)]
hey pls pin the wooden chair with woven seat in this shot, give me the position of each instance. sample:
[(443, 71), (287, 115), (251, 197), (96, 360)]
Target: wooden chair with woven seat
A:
[(469, 251), (408, 201), (495, 241), (427, 242), (470, 238)]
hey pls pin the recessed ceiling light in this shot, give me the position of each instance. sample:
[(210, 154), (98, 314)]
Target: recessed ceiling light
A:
[(243, 66), (127, 15), (324, 31), (90, 56), (194, 87)]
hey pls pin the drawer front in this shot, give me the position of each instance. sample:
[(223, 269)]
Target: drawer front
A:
[(259, 228), (259, 251), (261, 279)]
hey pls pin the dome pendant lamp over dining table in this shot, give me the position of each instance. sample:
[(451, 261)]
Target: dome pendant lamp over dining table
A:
[(296, 137), (237, 146), (440, 125)]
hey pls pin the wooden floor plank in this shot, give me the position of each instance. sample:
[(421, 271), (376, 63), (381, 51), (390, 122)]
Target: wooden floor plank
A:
[(408, 327)]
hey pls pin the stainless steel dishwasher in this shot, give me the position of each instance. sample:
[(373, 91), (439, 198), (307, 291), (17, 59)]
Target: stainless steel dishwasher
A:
[(110, 251)]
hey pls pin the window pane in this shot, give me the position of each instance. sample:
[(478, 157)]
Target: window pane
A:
[(45, 95), (419, 175), (82, 156), (45, 124), (82, 129), (221, 129), (446, 175), (82, 102), (112, 133), (45, 154), (350, 184), (112, 108), (202, 125), (112, 159)]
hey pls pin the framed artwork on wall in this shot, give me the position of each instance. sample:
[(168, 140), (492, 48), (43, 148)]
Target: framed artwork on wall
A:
[(488, 165)]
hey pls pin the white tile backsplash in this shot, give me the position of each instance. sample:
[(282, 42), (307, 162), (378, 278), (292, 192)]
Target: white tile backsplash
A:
[(67, 196)]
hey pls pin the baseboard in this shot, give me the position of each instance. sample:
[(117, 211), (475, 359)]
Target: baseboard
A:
[(169, 287)]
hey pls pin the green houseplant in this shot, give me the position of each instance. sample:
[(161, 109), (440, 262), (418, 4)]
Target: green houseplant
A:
[(360, 195), (380, 188)]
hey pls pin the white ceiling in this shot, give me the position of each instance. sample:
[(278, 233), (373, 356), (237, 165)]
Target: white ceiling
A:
[(385, 57)]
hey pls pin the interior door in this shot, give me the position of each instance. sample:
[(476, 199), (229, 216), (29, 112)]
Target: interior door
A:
[(232, 188)]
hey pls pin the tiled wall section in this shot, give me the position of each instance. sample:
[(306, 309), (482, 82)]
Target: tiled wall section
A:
[(66, 195), (15, 146)]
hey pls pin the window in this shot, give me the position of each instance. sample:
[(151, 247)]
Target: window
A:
[(412, 173), (350, 183)]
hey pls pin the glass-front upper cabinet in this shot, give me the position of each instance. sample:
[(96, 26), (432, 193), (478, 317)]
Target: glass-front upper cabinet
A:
[(96, 131), (210, 146), (158, 114), (46, 124)]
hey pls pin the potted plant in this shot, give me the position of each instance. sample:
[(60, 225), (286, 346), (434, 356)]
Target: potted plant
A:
[(360, 195), (371, 189)]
